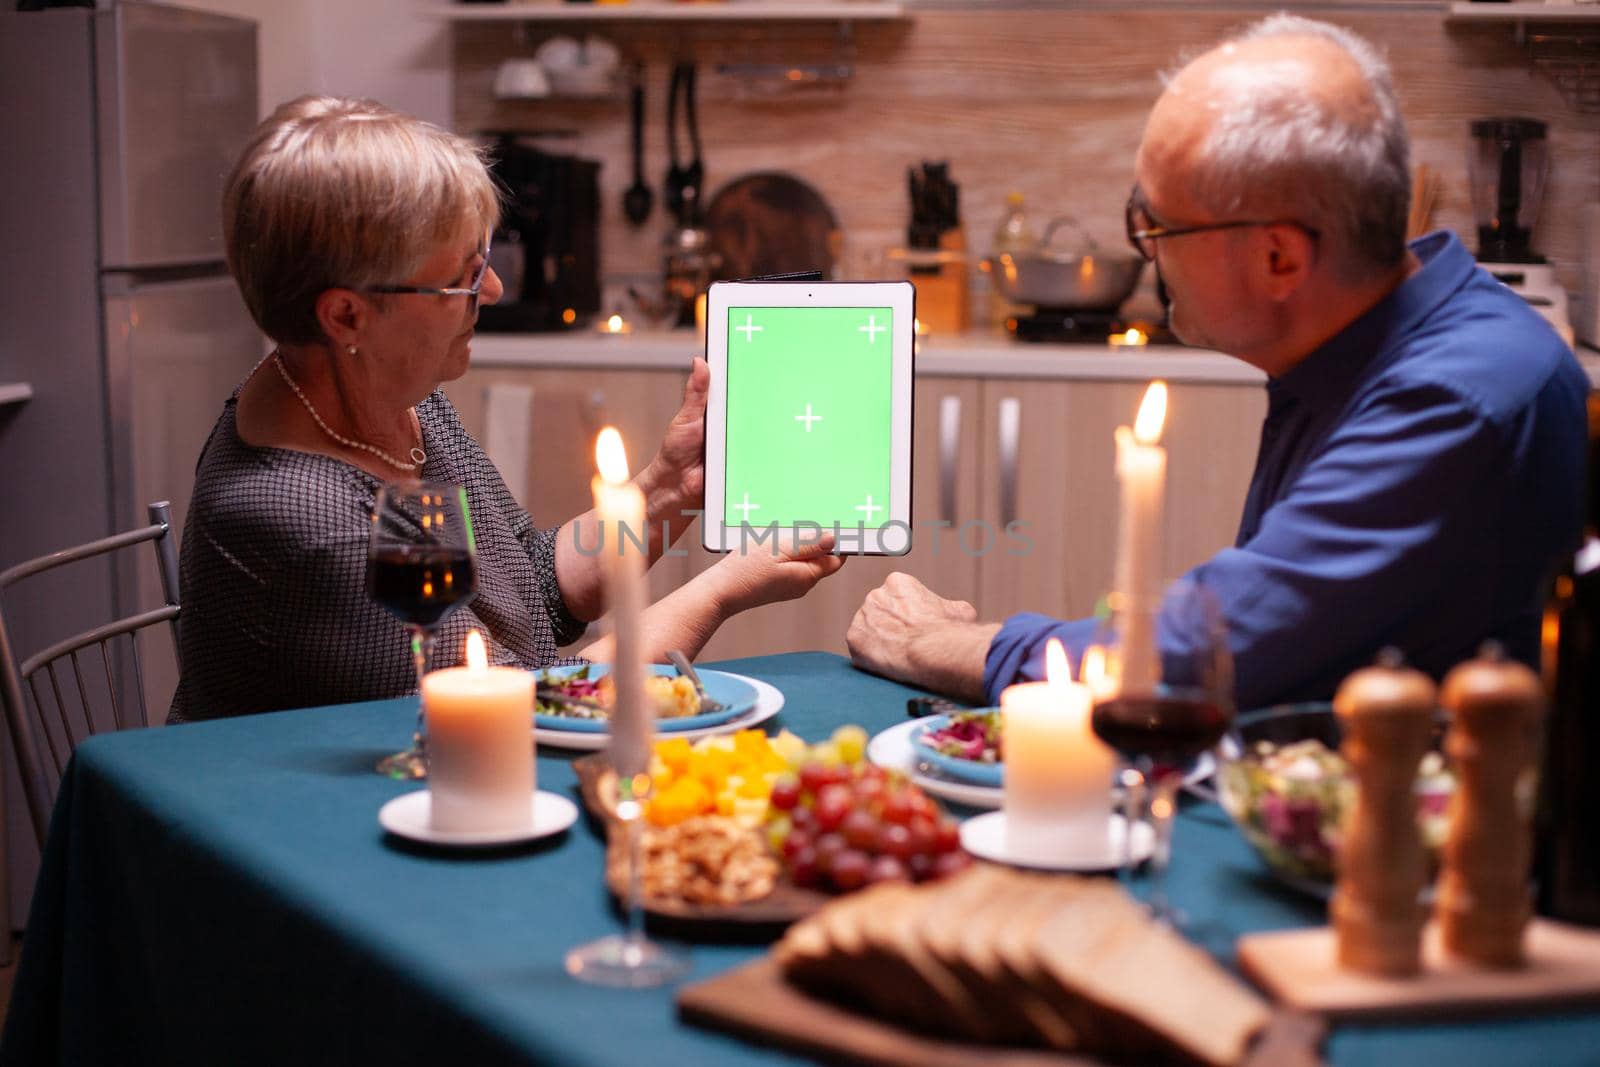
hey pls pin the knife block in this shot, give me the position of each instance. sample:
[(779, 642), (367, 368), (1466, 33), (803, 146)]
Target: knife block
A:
[(940, 277)]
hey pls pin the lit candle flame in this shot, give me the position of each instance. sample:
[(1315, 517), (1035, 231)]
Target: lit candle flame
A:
[(614, 324), (1152, 414), (1057, 671), (610, 456), (477, 655), (1094, 672), (1134, 336)]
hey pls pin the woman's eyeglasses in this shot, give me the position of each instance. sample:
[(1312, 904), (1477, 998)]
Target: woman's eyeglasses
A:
[(472, 289), (1144, 232)]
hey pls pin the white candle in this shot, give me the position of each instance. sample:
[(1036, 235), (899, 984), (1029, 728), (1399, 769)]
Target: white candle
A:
[(1142, 480), (620, 505), (1057, 794), (480, 744)]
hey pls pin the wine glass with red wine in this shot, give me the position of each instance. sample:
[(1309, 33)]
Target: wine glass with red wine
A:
[(1161, 707), (421, 566)]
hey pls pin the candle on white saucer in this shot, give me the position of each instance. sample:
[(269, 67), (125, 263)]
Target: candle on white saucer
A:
[(1142, 481), (480, 744), (620, 506), (1057, 784)]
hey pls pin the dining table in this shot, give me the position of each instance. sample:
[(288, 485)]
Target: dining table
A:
[(222, 893)]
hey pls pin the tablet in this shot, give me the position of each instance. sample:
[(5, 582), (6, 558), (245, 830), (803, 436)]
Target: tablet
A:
[(808, 423)]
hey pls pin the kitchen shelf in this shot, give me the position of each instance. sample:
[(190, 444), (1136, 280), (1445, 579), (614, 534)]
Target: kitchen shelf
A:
[(1523, 11), (1563, 42), (730, 11)]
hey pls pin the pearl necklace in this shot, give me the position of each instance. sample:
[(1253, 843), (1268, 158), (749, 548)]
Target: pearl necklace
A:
[(418, 456)]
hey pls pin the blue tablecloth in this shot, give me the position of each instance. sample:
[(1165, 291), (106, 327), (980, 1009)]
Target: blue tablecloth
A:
[(222, 893)]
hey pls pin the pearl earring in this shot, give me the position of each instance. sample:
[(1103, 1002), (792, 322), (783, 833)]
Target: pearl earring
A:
[(351, 350)]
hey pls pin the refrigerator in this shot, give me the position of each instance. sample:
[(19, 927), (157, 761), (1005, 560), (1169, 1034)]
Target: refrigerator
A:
[(120, 127)]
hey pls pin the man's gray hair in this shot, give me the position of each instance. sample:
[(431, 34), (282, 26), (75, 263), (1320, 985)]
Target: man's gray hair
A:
[(1279, 152)]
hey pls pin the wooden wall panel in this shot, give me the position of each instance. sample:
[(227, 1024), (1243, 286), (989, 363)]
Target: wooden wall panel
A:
[(1047, 100)]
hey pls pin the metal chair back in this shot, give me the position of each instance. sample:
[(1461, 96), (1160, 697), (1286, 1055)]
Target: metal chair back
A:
[(63, 680)]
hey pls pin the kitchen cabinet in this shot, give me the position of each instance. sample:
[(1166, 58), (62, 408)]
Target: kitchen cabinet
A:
[(1049, 474), (1036, 452), (566, 411)]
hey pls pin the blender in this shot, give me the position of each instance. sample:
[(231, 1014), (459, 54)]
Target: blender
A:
[(1507, 166)]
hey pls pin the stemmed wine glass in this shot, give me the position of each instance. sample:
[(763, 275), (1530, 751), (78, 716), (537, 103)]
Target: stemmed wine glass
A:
[(1161, 706), (421, 566)]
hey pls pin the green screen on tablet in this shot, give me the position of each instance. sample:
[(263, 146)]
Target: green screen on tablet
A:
[(809, 415)]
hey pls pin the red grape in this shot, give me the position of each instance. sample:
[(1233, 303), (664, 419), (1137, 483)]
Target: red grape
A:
[(798, 841), (828, 847), (849, 869), (887, 869), (803, 867), (947, 838), (897, 806), (924, 832), (785, 793), (813, 776), (833, 804), (920, 865), (860, 829), (803, 818), (895, 840)]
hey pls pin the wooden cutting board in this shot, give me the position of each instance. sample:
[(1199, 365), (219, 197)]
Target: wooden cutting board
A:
[(755, 1002), (1298, 968)]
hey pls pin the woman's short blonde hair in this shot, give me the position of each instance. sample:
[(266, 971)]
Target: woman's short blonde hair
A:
[(334, 192)]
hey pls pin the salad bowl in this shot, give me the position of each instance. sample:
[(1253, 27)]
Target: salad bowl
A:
[(1283, 782)]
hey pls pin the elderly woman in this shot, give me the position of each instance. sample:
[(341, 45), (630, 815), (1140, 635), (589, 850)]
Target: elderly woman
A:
[(358, 237)]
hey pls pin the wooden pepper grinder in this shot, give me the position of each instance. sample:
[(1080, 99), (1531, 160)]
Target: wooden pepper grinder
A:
[(1386, 712), (1495, 706)]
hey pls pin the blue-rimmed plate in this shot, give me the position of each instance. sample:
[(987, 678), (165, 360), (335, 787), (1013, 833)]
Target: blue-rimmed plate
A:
[(735, 694), (964, 770)]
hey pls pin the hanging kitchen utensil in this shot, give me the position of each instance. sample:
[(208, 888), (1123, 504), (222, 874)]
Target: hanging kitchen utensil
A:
[(772, 223), (677, 178), (637, 198), (695, 175)]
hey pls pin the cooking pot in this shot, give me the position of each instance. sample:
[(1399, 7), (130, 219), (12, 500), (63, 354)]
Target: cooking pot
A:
[(1088, 280)]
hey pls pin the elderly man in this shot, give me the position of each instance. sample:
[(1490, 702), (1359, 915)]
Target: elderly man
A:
[(1420, 470)]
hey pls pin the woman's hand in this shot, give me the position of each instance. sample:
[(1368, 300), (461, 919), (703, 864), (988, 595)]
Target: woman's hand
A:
[(749, 578), (676, 477), (686, 618)]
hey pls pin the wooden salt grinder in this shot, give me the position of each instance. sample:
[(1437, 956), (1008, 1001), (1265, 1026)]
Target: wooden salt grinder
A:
[(1495, 706), (1386, 712)]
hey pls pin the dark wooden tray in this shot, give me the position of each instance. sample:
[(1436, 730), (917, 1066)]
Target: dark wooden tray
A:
[(757, 1003), (784, 905)]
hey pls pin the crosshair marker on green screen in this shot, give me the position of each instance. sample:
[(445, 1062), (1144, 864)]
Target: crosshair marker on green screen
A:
[(809, 409)]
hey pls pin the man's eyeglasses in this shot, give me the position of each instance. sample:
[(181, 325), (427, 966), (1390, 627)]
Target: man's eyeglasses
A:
[(472, 289), (1143, 232)]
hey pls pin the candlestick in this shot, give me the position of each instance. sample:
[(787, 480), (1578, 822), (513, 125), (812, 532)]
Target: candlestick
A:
[(480, 744), (620, 507), (1057, 785), (1142, 479)]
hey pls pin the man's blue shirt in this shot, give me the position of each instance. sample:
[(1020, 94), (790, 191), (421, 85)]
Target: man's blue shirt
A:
[(1419, 480)]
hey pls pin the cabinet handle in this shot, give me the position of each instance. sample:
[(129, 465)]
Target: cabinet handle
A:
[(949, 451), (1010, 437)]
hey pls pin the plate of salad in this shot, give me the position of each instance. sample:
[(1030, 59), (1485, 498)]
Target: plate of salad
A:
[(677, 705), (964, 745)]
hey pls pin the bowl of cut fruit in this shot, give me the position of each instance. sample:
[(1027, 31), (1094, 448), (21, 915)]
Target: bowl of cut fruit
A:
[(1284, 782)]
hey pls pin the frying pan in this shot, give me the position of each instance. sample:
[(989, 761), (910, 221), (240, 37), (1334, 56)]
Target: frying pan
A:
[(769, 223)]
